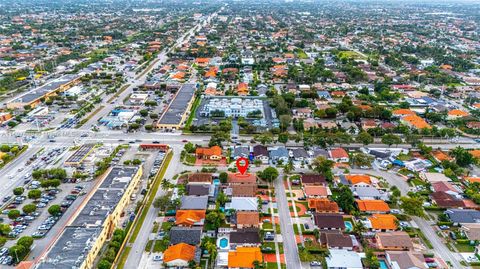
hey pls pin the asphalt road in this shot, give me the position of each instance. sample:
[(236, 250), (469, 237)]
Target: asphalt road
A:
[(289, 243), (134, 259)]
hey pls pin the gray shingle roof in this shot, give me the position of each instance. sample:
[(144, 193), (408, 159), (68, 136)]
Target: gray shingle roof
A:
[(191, 236)]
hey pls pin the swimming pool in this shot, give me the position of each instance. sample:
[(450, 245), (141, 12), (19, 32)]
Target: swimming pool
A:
[(223, 242), (383, 264), (348, 226)]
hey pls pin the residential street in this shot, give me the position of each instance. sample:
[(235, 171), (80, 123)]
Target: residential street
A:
[(289, 243)]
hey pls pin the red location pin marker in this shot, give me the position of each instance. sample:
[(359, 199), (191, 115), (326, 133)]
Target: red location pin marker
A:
[(242, 165)]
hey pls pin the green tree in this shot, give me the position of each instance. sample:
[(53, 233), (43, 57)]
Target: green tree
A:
[(54, 210), (34, 194), (283, 138), (285, 121), (13, 214), (5, 229), (364, 138), (345, 200), (269, 174), (189, 147), (391, 139), (104, 264), (215, 218), (18, 252), (223, 176), (25, 241), (162, 202), (371, 259), (323, 166), (412, 206), (165, 184), (462, 156), (18, 190), (30, 208)]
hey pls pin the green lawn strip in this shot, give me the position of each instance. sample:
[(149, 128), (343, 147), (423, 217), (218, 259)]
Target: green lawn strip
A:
[(148, 246), (151, 196), (85, 120), (122, 89), (295, 229), (195, 105), (424, 239), (124, 257), (267, 226), (464, 248), (160, 246), (24, 148), (155, 228)]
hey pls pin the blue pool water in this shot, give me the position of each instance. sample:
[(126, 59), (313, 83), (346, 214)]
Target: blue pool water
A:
[(348, 226), (383, 264), (216, 182), (223, 242)]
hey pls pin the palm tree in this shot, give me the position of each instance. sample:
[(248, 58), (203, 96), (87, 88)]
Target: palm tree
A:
[(165, 184), (359, 228)]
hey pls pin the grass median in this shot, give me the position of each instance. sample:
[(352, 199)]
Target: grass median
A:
[(122, 89), (151, 196)]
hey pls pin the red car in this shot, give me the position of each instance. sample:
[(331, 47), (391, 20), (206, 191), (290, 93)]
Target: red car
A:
[(184, 140)]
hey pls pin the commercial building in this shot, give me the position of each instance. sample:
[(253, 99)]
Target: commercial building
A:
[(82, 239), (32, 98), (233, 107), (177, 111)]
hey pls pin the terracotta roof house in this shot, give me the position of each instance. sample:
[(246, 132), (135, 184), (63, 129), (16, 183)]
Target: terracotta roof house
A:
[(244, 190), (200, 178), (313, 179), (359, 179), (212, 153), (242, 88), (441, 156), (247, 219), (445, 187), (322, 205), (456, 114), (416, 122), (336, 240), (317, 191), (329, 221), (237, 178), (245, 237), (402, 112), (383, 222), (406, 259), (445, 200), (244, 257), (179, 255), (372, 206), (190, 217), (339, 155), (260, 153), (399, 240)]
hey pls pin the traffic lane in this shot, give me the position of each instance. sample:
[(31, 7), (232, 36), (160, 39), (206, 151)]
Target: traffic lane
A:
[(288, 235), (438, 246)]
